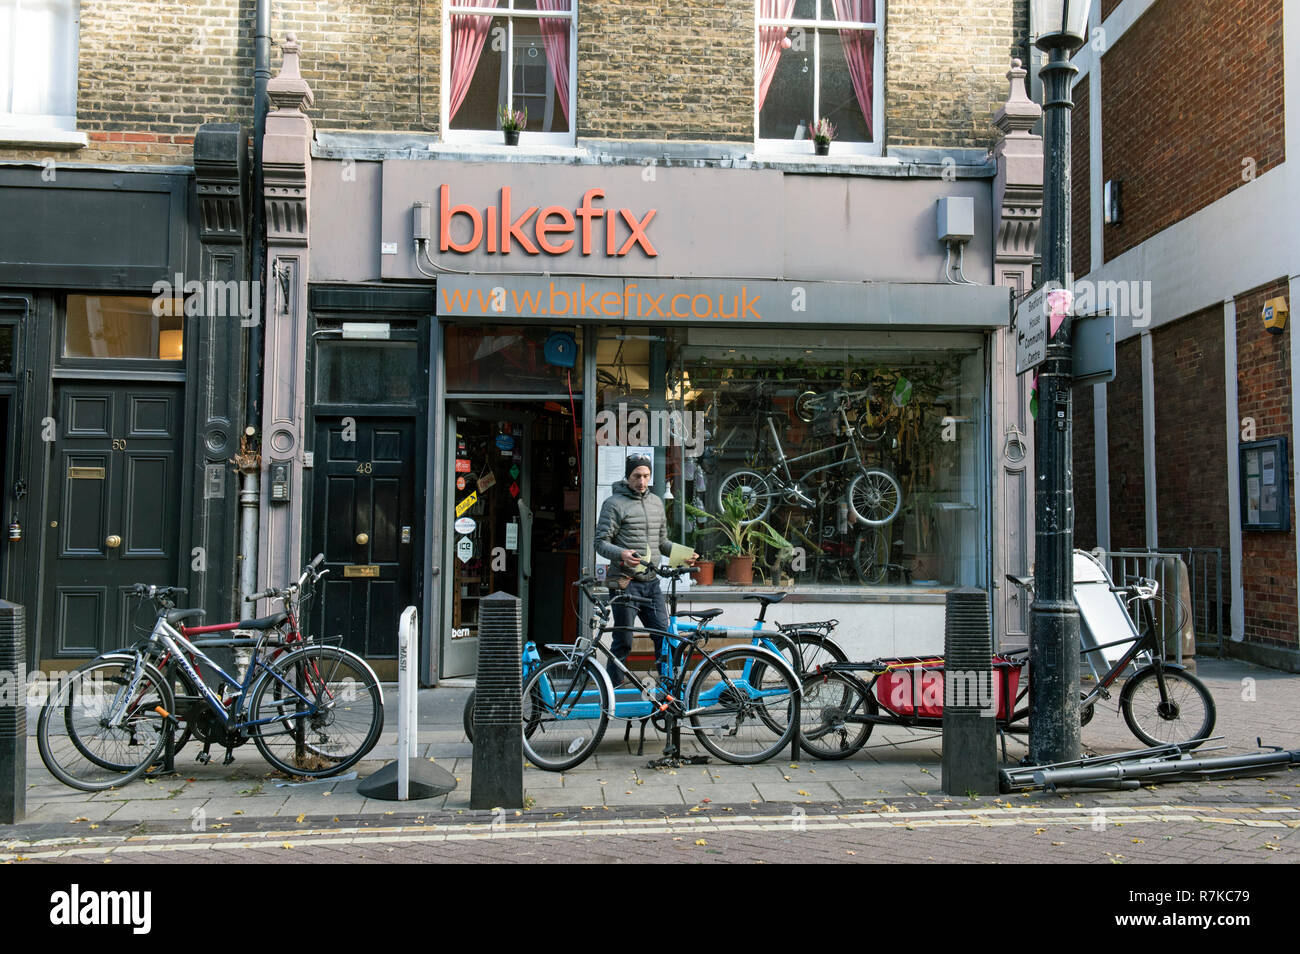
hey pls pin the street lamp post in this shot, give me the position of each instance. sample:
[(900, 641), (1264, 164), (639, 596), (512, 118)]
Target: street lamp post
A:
[(1054, 616)]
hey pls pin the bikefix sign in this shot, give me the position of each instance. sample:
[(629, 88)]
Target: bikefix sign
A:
[(1037, 319)]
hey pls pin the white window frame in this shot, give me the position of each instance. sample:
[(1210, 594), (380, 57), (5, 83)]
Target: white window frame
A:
[(505, 11), (63, 46), (813, 29)]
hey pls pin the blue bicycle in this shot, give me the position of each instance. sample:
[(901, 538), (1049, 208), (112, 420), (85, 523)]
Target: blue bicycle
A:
[(741, 701)]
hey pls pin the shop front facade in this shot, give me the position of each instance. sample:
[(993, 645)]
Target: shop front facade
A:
[(485, 343)]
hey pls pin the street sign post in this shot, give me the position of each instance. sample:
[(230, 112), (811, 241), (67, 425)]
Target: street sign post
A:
[(1031, 330)]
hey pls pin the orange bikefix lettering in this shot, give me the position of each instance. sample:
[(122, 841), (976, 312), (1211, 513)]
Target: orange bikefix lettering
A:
[(548, 231)]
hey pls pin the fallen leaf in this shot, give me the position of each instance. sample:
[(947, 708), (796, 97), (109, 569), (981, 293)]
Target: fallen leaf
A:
[(300, 818), (1272, 847), (1138, 841), (1039, 831), (285, 844), (801, 792), (79, 818), (94, 826), (1058, 843), (700, 841), (849, 852)]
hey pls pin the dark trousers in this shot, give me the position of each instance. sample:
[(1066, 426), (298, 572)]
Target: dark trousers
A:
[(654, 615)]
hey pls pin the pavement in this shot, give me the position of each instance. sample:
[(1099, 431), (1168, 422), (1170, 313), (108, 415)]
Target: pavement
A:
[(783, 810)]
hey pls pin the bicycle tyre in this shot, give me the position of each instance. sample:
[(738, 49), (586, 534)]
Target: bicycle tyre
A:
[(337, 717), (1188, 715), (804, 651), (804, 409), (871, 556), (754, 491), (738, 721), (562, 722), (829, 701), (875, 497), (467, 717), (90, 755)]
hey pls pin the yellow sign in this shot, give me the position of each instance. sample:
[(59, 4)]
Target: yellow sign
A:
[(356, 569), (465, 504)]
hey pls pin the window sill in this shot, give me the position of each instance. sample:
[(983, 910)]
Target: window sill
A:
[(63, 139)]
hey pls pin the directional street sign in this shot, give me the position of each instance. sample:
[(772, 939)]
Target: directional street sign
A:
[(1031, 330)]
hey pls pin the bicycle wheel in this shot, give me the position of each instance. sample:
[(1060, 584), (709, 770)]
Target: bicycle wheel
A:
[(566, 709), (1187, 713), (316, 711), (875, 497), (735, 718), (805, 406), (804, 651), (871, 555), (103, 726), (828, 713), (754, 494), (467, 717)]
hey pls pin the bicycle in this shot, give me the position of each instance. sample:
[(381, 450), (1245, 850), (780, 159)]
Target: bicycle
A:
[(740, 701), (805, 646), (1161, 702), (873, 494), (313, 711)]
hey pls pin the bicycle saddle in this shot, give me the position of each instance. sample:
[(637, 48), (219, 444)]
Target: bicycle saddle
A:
[(266, 622), (180, 616), (702, 615), (767, 599)]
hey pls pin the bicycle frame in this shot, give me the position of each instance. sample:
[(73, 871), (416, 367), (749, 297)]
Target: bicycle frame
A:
[(783, 462)]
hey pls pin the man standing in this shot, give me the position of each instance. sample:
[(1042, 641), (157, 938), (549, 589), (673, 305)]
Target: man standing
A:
[(633, 524)]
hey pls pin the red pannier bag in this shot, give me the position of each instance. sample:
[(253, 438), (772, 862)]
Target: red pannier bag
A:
[(914, 687)]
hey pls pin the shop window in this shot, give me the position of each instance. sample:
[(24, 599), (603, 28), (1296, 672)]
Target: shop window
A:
[(38, 64), (367, 372), (862, 458), (120, 326), (819, 59), (513, 360), (520, 57)]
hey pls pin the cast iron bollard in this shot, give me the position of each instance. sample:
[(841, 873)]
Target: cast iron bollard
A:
[(498, 779), (13, 714), (970, 755)]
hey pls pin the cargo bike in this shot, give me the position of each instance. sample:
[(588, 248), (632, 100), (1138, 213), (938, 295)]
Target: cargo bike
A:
[(1161, 702)]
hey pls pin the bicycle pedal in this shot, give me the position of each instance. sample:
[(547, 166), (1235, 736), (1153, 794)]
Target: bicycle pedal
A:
[(203, 758)]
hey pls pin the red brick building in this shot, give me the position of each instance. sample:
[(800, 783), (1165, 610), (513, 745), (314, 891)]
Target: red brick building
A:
[(1182, 108)]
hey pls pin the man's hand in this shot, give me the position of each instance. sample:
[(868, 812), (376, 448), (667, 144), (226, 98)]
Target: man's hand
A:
[(692, 559), (631, 558)]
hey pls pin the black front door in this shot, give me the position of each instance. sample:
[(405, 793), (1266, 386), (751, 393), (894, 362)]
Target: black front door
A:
[(365, 522), (113, 511)]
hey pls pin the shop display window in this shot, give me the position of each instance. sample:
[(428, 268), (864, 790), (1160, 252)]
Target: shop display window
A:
[(120, 326), (840, 459), (513, 360)]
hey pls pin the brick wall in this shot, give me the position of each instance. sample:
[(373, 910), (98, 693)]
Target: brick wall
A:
[(1124, 448), (1264, 393), (666, 69), (1189, 93), (1080, 185), (945, 68), (647, 69), (1191, 458), (1085, 469)]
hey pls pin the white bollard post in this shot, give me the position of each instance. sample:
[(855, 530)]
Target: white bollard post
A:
[(408, 649)]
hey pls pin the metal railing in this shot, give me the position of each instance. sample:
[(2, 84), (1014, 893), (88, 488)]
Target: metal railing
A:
[(1204, 585)]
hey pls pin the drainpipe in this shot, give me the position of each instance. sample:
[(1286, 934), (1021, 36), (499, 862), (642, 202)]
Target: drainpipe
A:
[(249, 459)]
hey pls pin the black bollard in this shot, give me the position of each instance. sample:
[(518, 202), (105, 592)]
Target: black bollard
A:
[(13, 714), (498, 779), (970, 755)]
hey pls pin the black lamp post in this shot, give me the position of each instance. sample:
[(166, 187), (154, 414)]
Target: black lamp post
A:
[(1054, 616)]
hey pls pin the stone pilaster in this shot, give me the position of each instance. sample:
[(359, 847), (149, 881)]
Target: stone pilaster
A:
[(287, 183)]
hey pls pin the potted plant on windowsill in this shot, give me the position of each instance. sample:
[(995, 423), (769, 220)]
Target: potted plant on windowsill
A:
[(743, 539), (512, 121), (821, 132)]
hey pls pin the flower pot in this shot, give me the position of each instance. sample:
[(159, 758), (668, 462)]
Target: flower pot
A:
[(822, 147), (740, 570), (512, 136), (703, 572)]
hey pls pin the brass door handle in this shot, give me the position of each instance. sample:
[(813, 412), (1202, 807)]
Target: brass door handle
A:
[(113, 542), (363, 539)]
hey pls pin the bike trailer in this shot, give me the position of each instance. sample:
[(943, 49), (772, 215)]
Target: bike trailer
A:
[(913, 687)]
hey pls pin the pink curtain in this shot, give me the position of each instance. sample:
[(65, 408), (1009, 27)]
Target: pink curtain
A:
[(771, 40), (467, 35), (859, 50), (555, 36)]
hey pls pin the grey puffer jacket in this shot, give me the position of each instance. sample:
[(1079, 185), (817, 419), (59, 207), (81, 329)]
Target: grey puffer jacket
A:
[(631, 521)]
